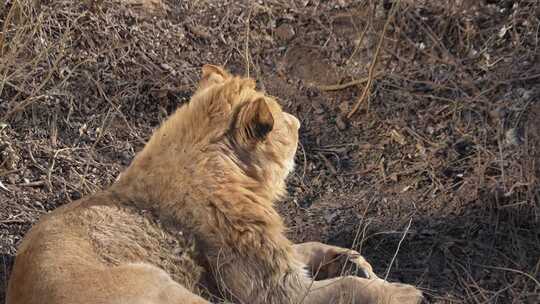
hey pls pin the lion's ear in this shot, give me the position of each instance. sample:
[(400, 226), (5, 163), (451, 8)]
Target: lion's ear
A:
[(212, 74), (254, 121)]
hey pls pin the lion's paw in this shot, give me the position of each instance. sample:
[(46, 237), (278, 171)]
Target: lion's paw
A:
[(399, 293)]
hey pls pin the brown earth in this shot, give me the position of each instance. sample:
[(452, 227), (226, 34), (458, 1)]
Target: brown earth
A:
[(435, 178)]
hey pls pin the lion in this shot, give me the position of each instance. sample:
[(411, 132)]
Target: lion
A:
[(191, 220)]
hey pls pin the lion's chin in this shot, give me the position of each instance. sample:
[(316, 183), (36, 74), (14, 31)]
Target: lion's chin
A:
[(289, 166)]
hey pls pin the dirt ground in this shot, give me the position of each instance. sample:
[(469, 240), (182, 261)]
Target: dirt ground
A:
[(431, 169)]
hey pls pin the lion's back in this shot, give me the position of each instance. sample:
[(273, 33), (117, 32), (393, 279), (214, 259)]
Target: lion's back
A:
[(121, 235)]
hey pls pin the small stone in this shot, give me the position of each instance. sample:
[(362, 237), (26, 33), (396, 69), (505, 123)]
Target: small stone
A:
[(318, 107), (285, 32), (8, 156), (329, 217), (344, 108), (341, 123), (498, 114), (13, 178), (512, 138)]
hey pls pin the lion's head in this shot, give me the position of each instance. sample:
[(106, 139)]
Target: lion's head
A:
[(228, 133)]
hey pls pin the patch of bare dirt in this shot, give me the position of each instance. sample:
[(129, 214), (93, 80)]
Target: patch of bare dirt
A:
[(435, 178), (309, 65)]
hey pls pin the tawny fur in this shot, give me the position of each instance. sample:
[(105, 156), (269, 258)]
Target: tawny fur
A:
[(192, 215)]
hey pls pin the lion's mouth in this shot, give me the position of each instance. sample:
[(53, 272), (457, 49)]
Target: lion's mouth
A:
[(289, 166)]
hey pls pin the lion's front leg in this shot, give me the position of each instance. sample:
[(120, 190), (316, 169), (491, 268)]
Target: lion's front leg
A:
[(327, 261)]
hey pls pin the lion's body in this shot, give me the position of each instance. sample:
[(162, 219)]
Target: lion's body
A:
[(194, 211)]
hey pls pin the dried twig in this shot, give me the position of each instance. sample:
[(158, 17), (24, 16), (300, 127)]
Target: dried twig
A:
[(246, 46), (337, 87), (371, 74), (529, 276), (397, 249)]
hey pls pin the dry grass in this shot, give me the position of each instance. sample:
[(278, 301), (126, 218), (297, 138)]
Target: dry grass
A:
[(450, 139)]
